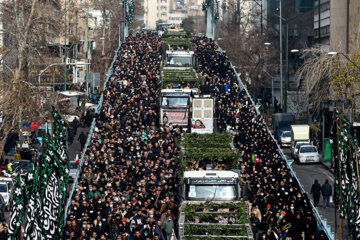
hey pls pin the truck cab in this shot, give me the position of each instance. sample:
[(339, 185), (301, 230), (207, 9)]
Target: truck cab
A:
[(211, 186), (175, 106), (179, 59)]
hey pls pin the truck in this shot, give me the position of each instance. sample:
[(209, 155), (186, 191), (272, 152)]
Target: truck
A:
[(282, 122), (300, 132), (211, 206)]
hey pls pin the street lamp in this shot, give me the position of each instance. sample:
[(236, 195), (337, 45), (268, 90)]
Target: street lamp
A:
[(347, 58)]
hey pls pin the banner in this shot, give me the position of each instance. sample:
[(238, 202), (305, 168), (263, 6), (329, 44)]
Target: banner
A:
[(202, 125), (176, 118)]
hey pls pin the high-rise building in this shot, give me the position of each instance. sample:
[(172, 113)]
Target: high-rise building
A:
[(323, 23), (344, 28)]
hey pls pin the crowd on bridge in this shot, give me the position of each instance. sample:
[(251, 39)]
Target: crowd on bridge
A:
[(279, 209), (128, 185), (127, 188)]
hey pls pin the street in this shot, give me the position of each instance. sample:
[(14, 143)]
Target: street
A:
[(307, 173)]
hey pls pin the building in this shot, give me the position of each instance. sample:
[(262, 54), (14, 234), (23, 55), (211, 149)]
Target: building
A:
[(150, 13), (323, 10), (169, 11), (344, 28)]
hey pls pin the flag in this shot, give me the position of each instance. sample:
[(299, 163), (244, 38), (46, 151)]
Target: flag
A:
[(32, 208), (18, 209), (173, 235), (46, 186), (346, 154)]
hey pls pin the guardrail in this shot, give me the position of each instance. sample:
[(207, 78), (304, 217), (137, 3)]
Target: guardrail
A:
[(321, 222), (91, 131)]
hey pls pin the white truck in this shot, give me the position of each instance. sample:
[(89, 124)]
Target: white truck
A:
[(211, 206), (300, 132)]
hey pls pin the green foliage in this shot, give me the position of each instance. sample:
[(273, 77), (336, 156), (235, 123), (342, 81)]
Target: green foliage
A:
[(208, 218), (223, 230), (177, 43), (171, 76), (345, 77), (215, 147)]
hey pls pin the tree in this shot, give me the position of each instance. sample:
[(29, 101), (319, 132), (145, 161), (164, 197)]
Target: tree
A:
[(188, 24), (28, 26), (329, 78), (245, 47)]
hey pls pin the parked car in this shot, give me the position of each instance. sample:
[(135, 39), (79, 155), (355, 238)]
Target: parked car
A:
[(285, 139), (308, 154), (5, 192), (295, 148), (8, 180)]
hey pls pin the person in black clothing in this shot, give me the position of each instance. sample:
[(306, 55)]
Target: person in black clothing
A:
[(4, 235), (326, 191), (82, 140), (75, 124), (205, 89), (315, 191), (71, 135)]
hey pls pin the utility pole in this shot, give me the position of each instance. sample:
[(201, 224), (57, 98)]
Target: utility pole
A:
[(223, 19), (65, 71), (87, 48), (281, 58), (286, 56)]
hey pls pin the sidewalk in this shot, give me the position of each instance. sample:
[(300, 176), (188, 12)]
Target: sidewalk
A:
[(326, 164), (74, 148)]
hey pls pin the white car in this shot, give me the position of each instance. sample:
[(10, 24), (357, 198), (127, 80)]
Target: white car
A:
[(308, 154), (5, 192), (285, 139), (295, 148)]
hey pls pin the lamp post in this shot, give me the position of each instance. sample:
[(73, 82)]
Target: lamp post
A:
[(65, 49), (87, 48), (347, 58)]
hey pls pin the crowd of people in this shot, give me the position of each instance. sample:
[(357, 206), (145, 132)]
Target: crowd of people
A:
[(128, 187), (279, 209)]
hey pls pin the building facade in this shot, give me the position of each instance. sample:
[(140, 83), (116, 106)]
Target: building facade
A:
[(344, 28), (322, 9)]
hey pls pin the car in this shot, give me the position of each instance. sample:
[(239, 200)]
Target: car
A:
[(5, 192), (295, 148), (285, 139), (308, 154), (8, 180)]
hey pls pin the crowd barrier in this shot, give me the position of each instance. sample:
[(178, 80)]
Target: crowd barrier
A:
[(322, 223), (88, 141)]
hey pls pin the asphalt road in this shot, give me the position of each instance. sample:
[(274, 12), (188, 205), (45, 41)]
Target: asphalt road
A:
[(307, 173)]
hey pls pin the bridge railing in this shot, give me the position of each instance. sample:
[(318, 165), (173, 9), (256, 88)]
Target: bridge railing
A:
[(322, 224), (98, 108)]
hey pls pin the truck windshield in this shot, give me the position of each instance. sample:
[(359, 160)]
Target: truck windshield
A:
[(175, 102), (179, 61), (211, 192), (286, 134)]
